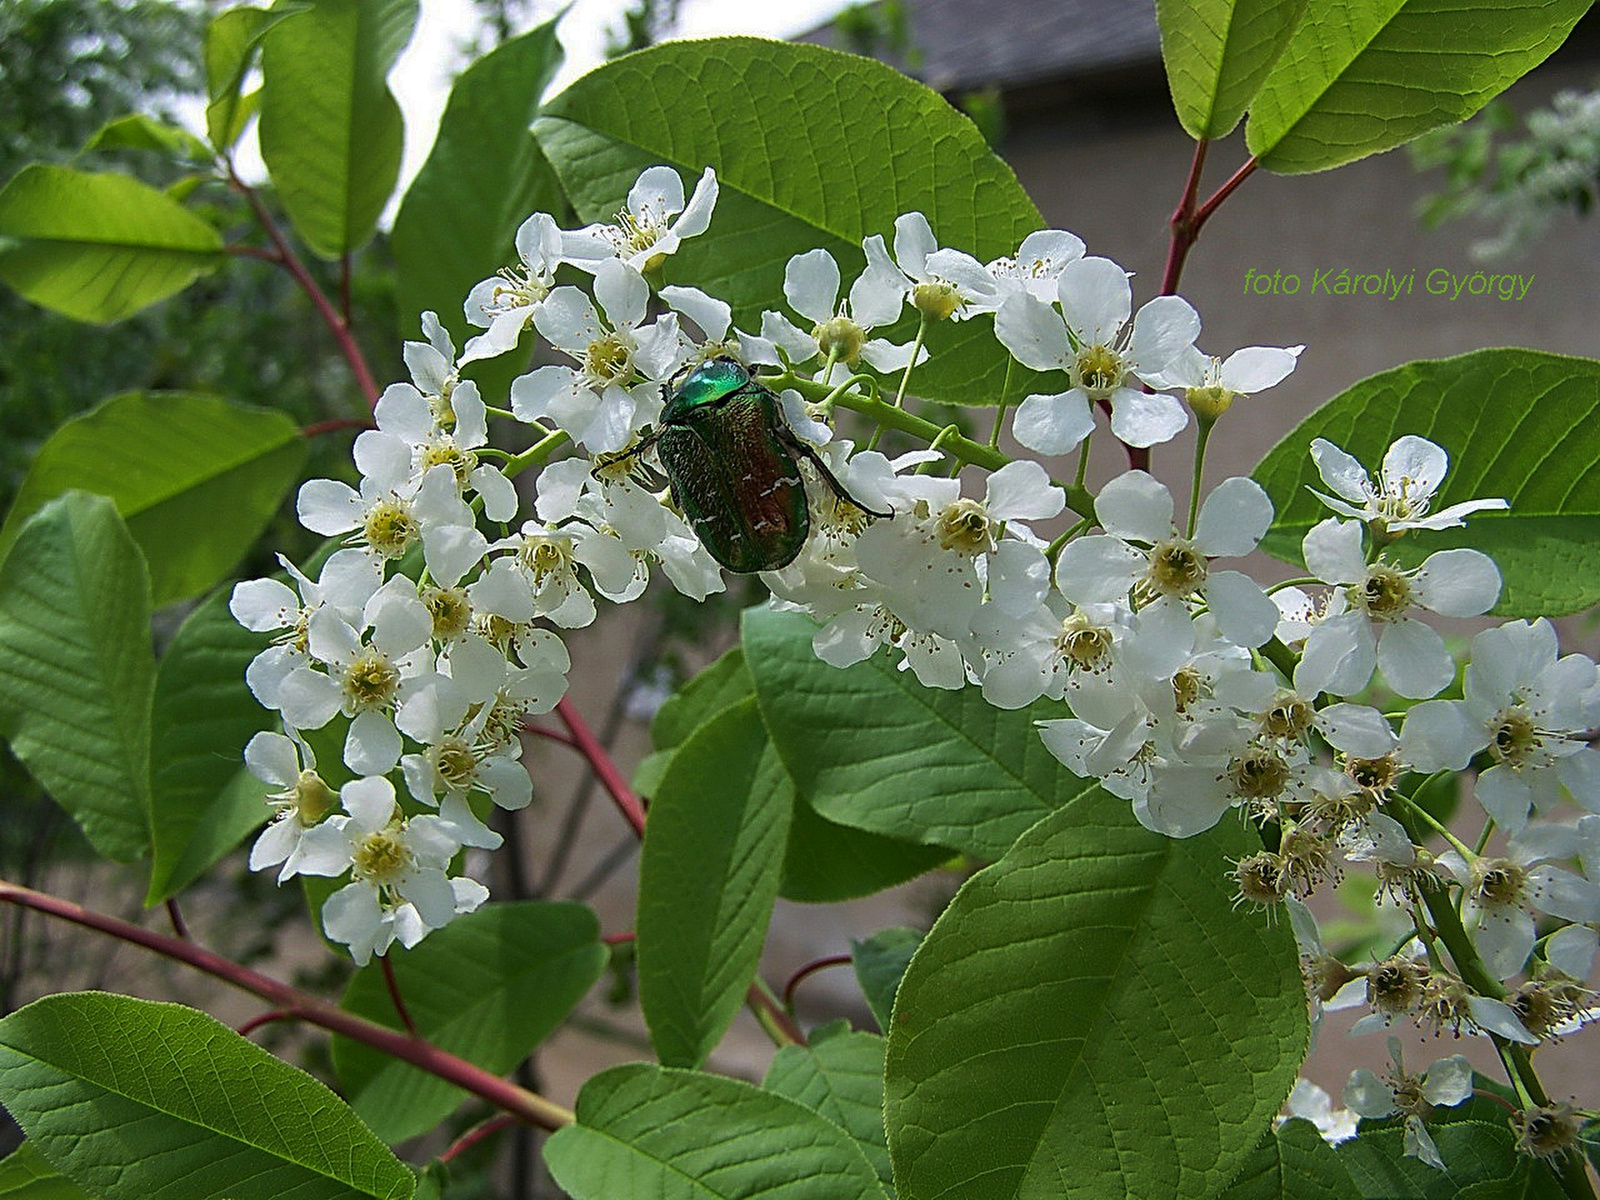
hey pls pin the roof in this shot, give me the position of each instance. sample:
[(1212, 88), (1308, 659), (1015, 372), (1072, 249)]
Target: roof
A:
[(961, 45)]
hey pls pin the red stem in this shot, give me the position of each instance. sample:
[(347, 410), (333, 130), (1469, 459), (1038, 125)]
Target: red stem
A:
[(1182, 223), (601, 764), (1203, 213), (175, 915), (393, 985), (266, 1018), (524, 1105), (555, 735), (473, 1136), (291, 263), (811, 968), (618, 939)]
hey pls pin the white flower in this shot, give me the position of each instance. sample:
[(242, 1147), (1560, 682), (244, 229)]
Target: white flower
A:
[(399, 890), (347, 582), (1089, 343), (616, 388), (1447, 1082), (940, 284), (1308, 1102), (1412, 471), (645, 232), (506, 302), (1211, 385), (1369, 623), (839, 327), (1036, 267), (1166, 567), (413, 417), (1530, 710), (301, 803)]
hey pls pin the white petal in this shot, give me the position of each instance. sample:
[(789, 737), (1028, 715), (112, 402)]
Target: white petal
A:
[(1339, 656), (1097, 569), (1021, 491), (261, 605), (1458, 583), (811, 285), (1053, 424), (404, 411), (1356, 729), (1162, 330), (713, 316), (452, 550), (1505, 796), (1505, 939), (1571, 951), (622, 292), (272, 758), (372, 746), (1096, 299), (328, 507), (879, 293), (1416, 461), (1145, 418), (696, 216), (913, 242), (1333, 552), (369, 801), (1256, 368), (1135, 506), (1244, 612), (1439, 735), (1413, 658), (657, 192), (499, 493), (1033, 332), (1233, 519), (1342, 473)]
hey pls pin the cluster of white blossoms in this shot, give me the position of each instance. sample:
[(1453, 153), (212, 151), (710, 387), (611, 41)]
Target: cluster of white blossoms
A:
[(1185, 686)]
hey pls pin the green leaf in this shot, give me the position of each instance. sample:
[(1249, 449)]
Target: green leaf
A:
[(1362, 76), (649, 1131), (708, 876), (1293, 1163), (1217, 52), (483, 177), (1519, 424), (331, 132), (826, 862), (202, 799), (25, 1175), (488, 987), (823, 862), (98, 247), (721, 685), (870, 747), (857, 145), (840, 1078), (1479, 1155), (141, 1101), (232, 39), (76, 668), (1093, 1007), (172, 462), (880, 963), (141, 132)]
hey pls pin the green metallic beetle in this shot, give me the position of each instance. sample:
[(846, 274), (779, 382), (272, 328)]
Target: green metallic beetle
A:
[(731, 461)]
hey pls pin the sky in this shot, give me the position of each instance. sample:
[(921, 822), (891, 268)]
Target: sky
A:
[(421, 78)]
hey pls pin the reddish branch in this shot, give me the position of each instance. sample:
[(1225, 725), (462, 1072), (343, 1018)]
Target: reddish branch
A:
[(289, 1002), (602, 765)]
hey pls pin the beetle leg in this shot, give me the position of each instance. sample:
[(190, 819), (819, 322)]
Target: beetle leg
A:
[(798, 446)]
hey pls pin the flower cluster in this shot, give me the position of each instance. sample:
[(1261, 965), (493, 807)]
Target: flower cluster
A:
[(1182, 684)]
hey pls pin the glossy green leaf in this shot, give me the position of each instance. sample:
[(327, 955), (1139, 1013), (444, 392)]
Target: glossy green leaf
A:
[(856, 143), (488, 987), (1293, 1163), (232, 40), (98, 247), (141, 1101), (870, 747), (1519, 424), (649, 1131), (172, 462), (331, 132), (76, 668), (25, 1175), (202, 799), (1093, 1007), (1360, 76), (880, 963), (708, 876), (1217, 52), (840, 1077), (483, 177)]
